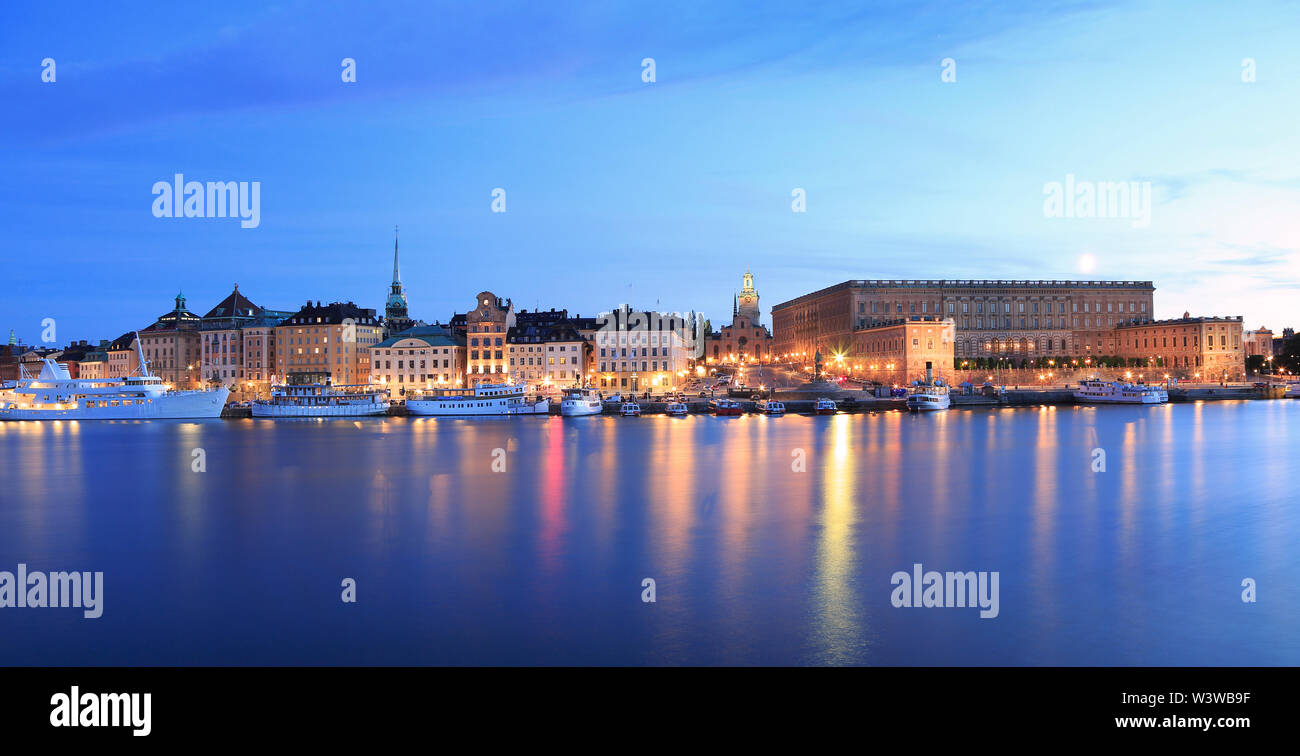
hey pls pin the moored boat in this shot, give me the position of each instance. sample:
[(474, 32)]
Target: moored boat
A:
[(725, 407), (630, 409), (579, 402), (771, 407), (928, 398), (676, 409), (55, 395), (825, 406), (322, 400), (483, 399), (1116, 392)]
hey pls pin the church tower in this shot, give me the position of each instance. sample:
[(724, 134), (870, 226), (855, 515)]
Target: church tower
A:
[(395, 310), (747, 301)]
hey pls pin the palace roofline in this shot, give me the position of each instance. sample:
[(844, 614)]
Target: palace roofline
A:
[(962, 283)]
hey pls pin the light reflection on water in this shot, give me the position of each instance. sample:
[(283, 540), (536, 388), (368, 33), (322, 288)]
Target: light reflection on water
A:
[(754, 561)]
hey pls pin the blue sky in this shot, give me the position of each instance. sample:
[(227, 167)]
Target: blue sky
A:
[(617, 190)]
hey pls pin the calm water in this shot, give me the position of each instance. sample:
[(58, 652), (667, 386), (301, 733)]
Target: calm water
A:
[(754, 563)]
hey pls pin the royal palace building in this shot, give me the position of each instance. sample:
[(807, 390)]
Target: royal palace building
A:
[(1017, 319)]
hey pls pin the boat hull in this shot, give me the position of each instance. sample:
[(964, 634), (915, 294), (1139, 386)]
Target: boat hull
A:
[(332, 410), (476, 408), (927, 404), (179, 405), (580, 409), (1101, 400)]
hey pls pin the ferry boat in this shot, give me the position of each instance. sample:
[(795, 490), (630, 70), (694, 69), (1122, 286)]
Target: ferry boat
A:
[(630, 409), (725, 407), (56, 395), (322, 400), (579, 402), (1116, 392), (825, 406), (771, 407), (677, 409), (483, 399), (928, 398)]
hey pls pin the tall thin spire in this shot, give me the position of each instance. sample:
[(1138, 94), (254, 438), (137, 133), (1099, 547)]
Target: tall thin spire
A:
[(395, 309), (397, 272)]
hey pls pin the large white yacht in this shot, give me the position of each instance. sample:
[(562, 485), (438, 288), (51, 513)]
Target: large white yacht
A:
[(483, 399), (1116, 392), (56, 395), (322, 400), (578, 402)]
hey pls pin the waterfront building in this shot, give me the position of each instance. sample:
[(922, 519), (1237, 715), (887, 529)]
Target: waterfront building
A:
[(897, 350), (10, 359), (173, 348), (122, 357), (72, 356), (422, 357), (327, 343), (541, 318), (745, 341), (259, 352), (644, 350), (396, 313), (238, 345), (548, 356), (587, 328), (1008, 319), (1258, 343), (1208, 347), (485, 329), (94, 363)]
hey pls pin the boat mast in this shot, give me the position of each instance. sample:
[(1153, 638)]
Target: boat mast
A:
[(139, 351)]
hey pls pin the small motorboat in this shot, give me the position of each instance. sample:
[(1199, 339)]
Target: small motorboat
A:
[(771, 407), (630, 409), (725, 407), (677, 409), (825, 406)]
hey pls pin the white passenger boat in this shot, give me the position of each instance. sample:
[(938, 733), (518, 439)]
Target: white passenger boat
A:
[(483, 399), (578, 402), (771, 407), (322, 400), (56, 395), (1116, 392), (825, 406), (677, 409), (928, 398), (630, 409)]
